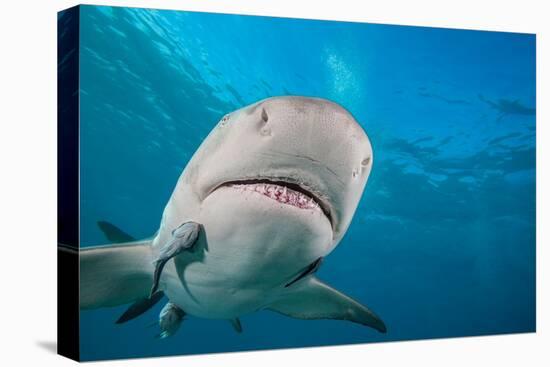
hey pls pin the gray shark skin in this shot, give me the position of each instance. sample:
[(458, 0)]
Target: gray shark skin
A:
[(270, 193)]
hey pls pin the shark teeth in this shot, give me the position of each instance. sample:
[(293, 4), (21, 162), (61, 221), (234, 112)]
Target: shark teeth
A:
[(282, 194)]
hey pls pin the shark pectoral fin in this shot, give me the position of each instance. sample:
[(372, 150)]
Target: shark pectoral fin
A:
[(236, 323), (113, 233), (139, 307), (312, 299), (311, 269), (114, 275), (183, 238)]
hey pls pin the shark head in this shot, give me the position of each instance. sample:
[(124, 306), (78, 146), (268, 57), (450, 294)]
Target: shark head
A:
[(304, 152)]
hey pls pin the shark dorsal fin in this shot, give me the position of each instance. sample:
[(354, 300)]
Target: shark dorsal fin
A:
[(113, 233)]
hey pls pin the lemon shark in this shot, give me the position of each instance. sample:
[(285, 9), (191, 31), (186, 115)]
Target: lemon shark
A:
[(267, 196)]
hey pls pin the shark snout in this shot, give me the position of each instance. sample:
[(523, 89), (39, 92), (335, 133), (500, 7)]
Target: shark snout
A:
[(312, 142)]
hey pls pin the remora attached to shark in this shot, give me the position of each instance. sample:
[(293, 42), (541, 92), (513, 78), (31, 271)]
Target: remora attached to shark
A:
[(269, 193)]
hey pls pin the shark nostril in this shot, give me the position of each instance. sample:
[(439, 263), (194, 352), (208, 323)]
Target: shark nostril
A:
[(264, 129)]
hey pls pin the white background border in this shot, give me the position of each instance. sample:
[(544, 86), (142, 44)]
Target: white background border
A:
[(28, 182)]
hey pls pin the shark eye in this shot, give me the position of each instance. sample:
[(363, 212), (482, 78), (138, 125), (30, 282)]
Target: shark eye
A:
[(224, 120), (365, 161)]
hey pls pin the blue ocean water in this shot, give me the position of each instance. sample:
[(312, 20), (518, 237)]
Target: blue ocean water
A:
[(443, 241)]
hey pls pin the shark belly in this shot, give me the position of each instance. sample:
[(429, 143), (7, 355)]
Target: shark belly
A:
[(252, 246)]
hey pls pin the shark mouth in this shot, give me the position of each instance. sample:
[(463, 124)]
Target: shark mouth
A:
[(283, 192)]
